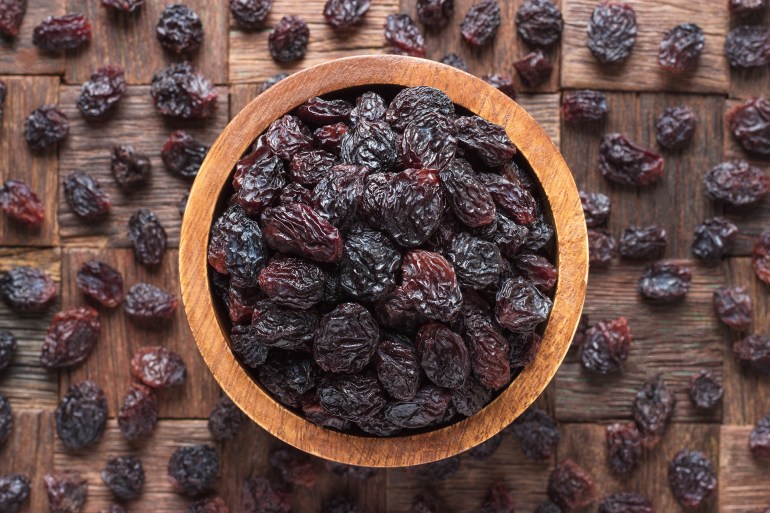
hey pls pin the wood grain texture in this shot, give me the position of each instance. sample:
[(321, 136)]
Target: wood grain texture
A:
[(18, 56), (586, 445), (641, 72), (109, 364), (676, 340), (747, 393), (498, 56), (129, 40), (17, 161), (250, 61), (545, 109), (676, 202), (89, 149), (743, 487)]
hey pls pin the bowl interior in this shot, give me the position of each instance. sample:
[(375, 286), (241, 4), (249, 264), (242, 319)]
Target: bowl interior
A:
[(347, 78)]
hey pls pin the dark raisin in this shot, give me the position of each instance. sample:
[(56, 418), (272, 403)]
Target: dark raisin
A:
[(733, 307), (250, 14), (681, 47), (429, 143), (351, 397), (288, 40), (486, 450), (625, 503), (536, 433), (263, 496), (139, 412), (430, 285), (182, 205), (270, 82), (612, 32), (744, 7), (370, 143), (123, 5), (242, 302), (66, 491), (183, 155), (652, 410), (225, 420), (294, 467), (503, 83), (643, 243), (520, 306), (454, 60), (71, 337), (289, 377), (343, 470), (100, 94), (435, 13), (237, 248), (62, 33), (308, 167), (737, 183), (487, 141), (147, 236), (179, 92), (292, 282), (487, 346), (345, 14), (754, 352), (665, 281), (149, 305), (539, 22), (11, 15), (124, 476), (601, 247), (606, 345), (100, 282), (748, 46), (705, 391), (85, 197), (476, 262), (714, 239), (624, 447), (378, 425), (584, 106), (283, 328), (14, 488), (499, 499), (369, 265), (295, 193), (596, 208), (158, 367), (27, 289), (534, 68), (329, 138), (45, 127), (471, 398), (437, 471), (395, 312), (288, 135), (510, 198), (323, 112), (21, 204), (7, 348), (749, 123), (624, 162), (759, 439), (470, 200), (208, 505), (413, 104), (675, 127), (426, 408), (443, 355), (571, 486), (247, 346), (404, 36), (193, 469), (6, 421), (299, 230), (371, 107), (692, 478), (481, 22), (548, 507), (179, 29), (129, 167), (346, 340), (760, 257)]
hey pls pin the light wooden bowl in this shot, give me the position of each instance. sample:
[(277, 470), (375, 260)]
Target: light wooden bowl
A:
[(468, 92)]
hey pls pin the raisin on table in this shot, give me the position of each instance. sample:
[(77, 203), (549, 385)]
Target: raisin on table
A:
[(404, 36), (7, 348), (81, 416), (6, 420), (138, 413), (14, 492), (480, 24), (759, 439), (130, 168), (733, 307), (748, 46), (454, 60), (147, 236), (612, 32), (499, 499), (345, 14), (626, 503), (536, 433), (179, 92), (714, 239), (737, 183), (760, 257), (62, 33), (534, 68), (71, 337), (749, 123), (100, 282), (250, 14), (643, 243), (435, 13), (193, 469), (225, 420), (601, 247), (179, 29), (124, 476), (675, 127), (624, 448), (85, 197), (754, 353), (681, 47), (66, 491), (665, 281), (11, 15), (705, 391), (503, 83), (624, 162), (570, 486), (149, 305), (354, 398), (158, 367), (584, 106), (596, 208), (45, 126), (261, 495), (486, 450), (182, 155), (606, 346), (27, 289), (21, 204), (652, 409), (123, 5), (299, 230), (294, 467), (102, 91), (692, 478), (288, 40), (539, 22)]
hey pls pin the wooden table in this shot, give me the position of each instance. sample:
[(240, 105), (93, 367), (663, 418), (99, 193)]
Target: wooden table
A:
[(678, 340)]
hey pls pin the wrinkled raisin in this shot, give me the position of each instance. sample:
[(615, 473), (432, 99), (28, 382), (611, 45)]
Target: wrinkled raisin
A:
[(471, 398), (454, 60), (539, 22), (45, 126), (675, 127), (470, 200), (237, 247), (624, 447), (293, 466), (705, 391), (329, 138), (345, 14), (225, 420), (27, 289), (596, 208), (11, 15), (714, 239), (85, 197), (179, 29), (571, 486), (370, 143), (520, 306), (100, 282), (369, 265), (299, 230), (430, 285), (6, 420), (487, 346), (21, 204), (179, 92), (138, 413), (652, 410), (193, 469), (129, 167), (147, 236), (346, 340), (398, 367), (606, 345), (14, 491), (487, 141), (486, 450), (283, 328), (183, 155), (71, 337), (157, 367), (250, 14), (343, 470), (404, 36), (625, 503), (247, 346), (733, 307), (435, 13), (288, 40), (534, 68), (759, 439), (737, 183), (102, 91), (748, 46), (499, 499), (692, 478), (681, 47), (754, 352), (149, 305), (288, 135), (292, 282), (760, 257), (124, 476), (321, 112), (665, 281), (480, 24), (643, 243), (261, 495), (351, 397), (308, 167), (584, 106), (601, 247), (66, 491), (510, 198), (612, 32), (429, 143), (378, 425), (62, 33), (749, 123), (744, 7), (443, 355), (624, 162), (536, 433), (371, 107)]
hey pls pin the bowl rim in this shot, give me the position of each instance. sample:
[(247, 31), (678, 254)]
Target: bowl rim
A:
[(478, 97)]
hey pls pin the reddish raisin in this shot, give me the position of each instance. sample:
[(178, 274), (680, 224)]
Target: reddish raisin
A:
[(675, 127), (45, 127), (625, 503), (14, 488), (11, 15), (139, 412), (737, 183), (536, 433), (584, 106), (360, 473), (499, 500), (692, 478), (157, 367), (21, 204), (430, 285), (308, 167), (571, 486), (71, 337), (624, 447), (624, 162), (596, 208), (760, 257), (6, 421), (665, 281), (539, 22), (329, 138), (193, 469), (354, 398), (612, 32), (288, 40), (292, 282), (183, 155), (398, 368), (748, 46), (27, 289), (754, 352), (147, 236), (643, 243), (404, 36), (129, 167), (681, 47), (346, 340), (714, 239), (481, 22), (733, 307), (124, 5), (606, 345), (100, 94), (299, 230), (178, 92), (179, 29), (288, 135), (601, 247), (263, 496), (81, 415), (705, 391), (321, 112), (469, 198), (62, 33), (208, 505), (250, 14), (520, 306), (225, 420), (759, 439), (429, 143), (124, 476), (85, 197), (295, 468), (534, 68), (100, 282), (345, 14), (283, 328), (435, 13), (749, 123), (652, 410), (149, 305), (66, 491)]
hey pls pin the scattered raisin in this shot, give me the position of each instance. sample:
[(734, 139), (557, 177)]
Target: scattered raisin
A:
[(571, 486), (754, 352), (102, 91), (287, 41), (66, 491), (601, 247), (606, 345), (340, 505), (503, 83), (404, 36), (665, 281), (625, 503), (225, 420), (624, 447), (714, 239), (539, 22), (183, 155), (692, 478), (21, 204), (536, 433), (45, 127), (27, 289), (454, 60), (675, 127), (250, 14), (596, 208), (157, 367), (624, 162), (346, 340), (62, 33), (179, 29), (81, 416), (681, 47), (499, 500), (261, 495), (124, 476), (748, 46), (643, 243), (14, 488), (11, 15), (71, 337), (435, 13), (178, 92), (147, 236), (612, 32), (733, 307), (705, 391), (85, 197), (193, 469), (345, 14), (584, 106), (548, 507), (343, 470), (129, 167), (760, 257), (486, 450), (652, 410), (480, 24), (139, 412), (149, 305), (100, 282), (294, 467), (759, 439), (270, 82), (737, 183), (749, 123), (534, 68), (744, 7)]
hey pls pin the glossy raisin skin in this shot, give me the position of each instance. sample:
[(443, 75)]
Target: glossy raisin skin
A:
[(665, 281), (760, 257), (124, 476), (250, 14), (680, 48), (124, 5), (193, 469), (261, 495), (643, 243), (624, 448), (584, 106), (100, 282), (612, 32), (27, 289), (737, 183), (429, 143), (85, 197), (759, 439), (138, 413), (626, 503), (454, 60), (596, 208), (477, 263), (66, 491), (749, 123), (21, 204), (675, 127), (288, 135), (539, 23), (714, 239), (570, 486), (226, 420), (45, 127), (237, 247), (148, 305), (520, 306), (345, 14), (129, 168), (534, 68), (621, 161), (346, 340), (292, 282), (443, 355), (480, 24), (430, 286), (370, 143), (62, 33), (748, 46), (606, 346), (7, 348), (158, 367), (469, 199), (182, 155), (101, 92), (11, 16), (536, 433), (81, 416), (652, 410), (179, 29), (733, 307), (398, 368), (299, 230), (354, 398), (148, 237), (71, 337), (6, 420), (369, 265), (179, 92), (289, 377), (404, 36), (293, 466), (692, 478), (705, 391), (754, 352), (283, 328), (288, 40), (14, 492)]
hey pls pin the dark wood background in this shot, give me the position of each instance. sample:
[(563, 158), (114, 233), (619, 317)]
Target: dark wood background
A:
[(678, 340)]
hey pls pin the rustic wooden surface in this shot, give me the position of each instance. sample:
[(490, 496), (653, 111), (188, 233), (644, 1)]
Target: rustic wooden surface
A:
[(676, 341)]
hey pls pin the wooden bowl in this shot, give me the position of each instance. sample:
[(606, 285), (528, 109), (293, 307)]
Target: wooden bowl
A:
[(478, 97)]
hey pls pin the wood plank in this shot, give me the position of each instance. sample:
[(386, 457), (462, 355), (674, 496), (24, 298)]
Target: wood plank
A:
[(743, 485), (754, 81), (499, 56), (19, 56), (677, 202), (641, 72), (545, 109), (129, 40), (747, 394), (677, 340), (585, 444), (250, 61), (109, 364), (89, 148), (25, 382), (17, 161), (30, 451)]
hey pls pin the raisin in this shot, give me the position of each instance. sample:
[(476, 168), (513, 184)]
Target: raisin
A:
[(754, 352), (427, 502), (288, 377), (293, 467), (62, 33), (510, 198), (370, 143), (208, 505), (652, 410), (714, 239), (263, 496), (81, 416), (480, 24), (100, 94), (292, 282), (624, 448), (624, 162), (242, 303), (437, 471), (225, 420), (179, 29), (643, 243), (571, 486), (7, 348), (760, 257), (183, 155), (147, 236), (470, 200), (744, 7), (520, 306), (601, 247), (759, 439), (534, 68), (681, 47), (329, 138), (11, 15), (14, 488), (6, 420), (250, 14), (308, 167), (66, 491), (179, 92), (471, 398), (748, 46), (378, 425), (369, 265), (124, 476), (45, 126), (476, 262), (486, 450), (288, 135), (323, 112), (733, 307), (404, 36), (351, 397), (247, 346), (548, 507), (435, 13), (346, 340), (430, 285), (395, 312), (584, 106), (665, 281), (749, 123), (692, 478), (596, 208), (606, 345), (429, 143), (340, 505), (129, 167), (283, 328), (139, 412), (237, 248), (536, 433), (123, 5), (675, 127), (454, 60), (413, 104), (625, 503), (21, 204), (705, 391), (149, 305), (487, 346), (287, 41), (485, 140), (71, 337), (85, 197), (737, 183), (345, 14), (612, 32), (100, 282), (270, 82), (299, 230), (157, 367), (193, 469), (343, 470), (295, 193), (27, 289), (539, 22), (503, 83), (580, 332), (443, 355), (371, 107)]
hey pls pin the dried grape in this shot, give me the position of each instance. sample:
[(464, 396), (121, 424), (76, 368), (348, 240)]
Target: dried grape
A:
[(714, 239), (601, 247), (138, 413), (754, 352), (292, 282), (288, 40), (652, 410), (124, 476), (675, 127), (158, 367), (27, 289), (426, 408), (749, 123), (11, 15), (584, 106), (354, 398), (14, 489), (680, 48), (21, 204), (748, 46), (147, 236), (606, 346), (179, 29), (45, 126), (705, 391), (85, 197), (760, 257), (299, 230), (692, 478), (480, 24), (66, 491), (643, 243), (536, 433), (404, 36), (102, 91), (182, 155), (293, 466), (665, 281), (193, 469), (534, 68), (81, 415), (283, 328), (443, 355), (237, 247), (149, 305), (539, 22), (626, 163), (129, 167), (261, 495), (520, 306), (369, 265), (737, 183), (345, 14), (71, 337), (612, 32), (179, 92), (624, 447), (346, 340), (225, 420), (100, 282), (733, 307), (435, 13), (571, 486), (62, 33), (250, 14)]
